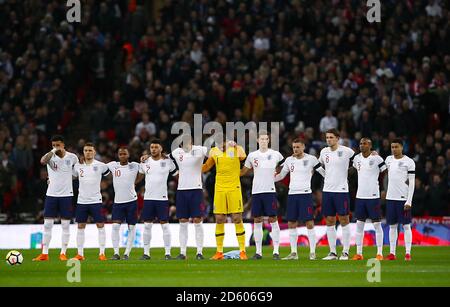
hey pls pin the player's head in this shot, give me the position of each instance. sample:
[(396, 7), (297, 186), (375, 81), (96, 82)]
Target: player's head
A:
[(156, 148), (298, 147), (332, 137), (123, 154), (58, 142), (89, 151), (263, 139), (365, 145), (397, 147)]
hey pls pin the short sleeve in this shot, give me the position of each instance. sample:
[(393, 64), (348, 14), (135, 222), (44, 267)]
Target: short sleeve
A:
[(280, 156), (141, 168), (314, 161), (105, 170), (350, 153), (172, 165), (75, 171), (204, 151), (321, 157), (248, 163), (74, 159), (411, 167)]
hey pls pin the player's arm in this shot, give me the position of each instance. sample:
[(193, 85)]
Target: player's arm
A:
[(48, 156), (247, 166), (411, 184), (280, 175), (208, 165), (139, 178), (144, 158)]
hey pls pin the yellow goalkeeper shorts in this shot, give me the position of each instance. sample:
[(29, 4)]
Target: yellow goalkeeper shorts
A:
[(227, 202)]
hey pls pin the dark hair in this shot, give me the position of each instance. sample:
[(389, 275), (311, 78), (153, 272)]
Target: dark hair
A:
[(122, 148), (57, 138), (398, 141), (89, 144), (156, 141), (297, 140), (334, 131)]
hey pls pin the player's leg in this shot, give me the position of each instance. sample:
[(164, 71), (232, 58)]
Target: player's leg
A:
[(307, 215), (236, 208), (342, 201), (162, 212), (292, 215), (270, 209), (220, 212), (257, 213), (130, 213), (361, 216), (195, 209), (182, 204), (220, 232), (65, 211), (81, 216), (329, 211), (392, 220), (405, 219), (50, 212), (118, 216), (96, 213), (374, 213), (147, 216)]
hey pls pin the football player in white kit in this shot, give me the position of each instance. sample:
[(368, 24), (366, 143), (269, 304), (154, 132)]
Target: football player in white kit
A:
[(90, 174), (264, 162), (401, 181), (369, 168), (336, 160), (189, 198), (300, 207), (125, 200), (156, 169), (58, 199)]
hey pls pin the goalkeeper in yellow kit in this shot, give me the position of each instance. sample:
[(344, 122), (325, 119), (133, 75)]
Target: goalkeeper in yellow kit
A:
[(227, 158)]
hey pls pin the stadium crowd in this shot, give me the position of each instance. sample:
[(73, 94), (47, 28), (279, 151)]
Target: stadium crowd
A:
[(126, 77)]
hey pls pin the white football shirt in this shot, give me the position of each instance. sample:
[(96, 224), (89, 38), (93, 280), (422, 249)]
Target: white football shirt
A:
[(368, 172), (60, 175), (156, 173), (398, 170), (336, 165), (264, 165), (301, 171), (124, 177), (90, 177), (190, 166)]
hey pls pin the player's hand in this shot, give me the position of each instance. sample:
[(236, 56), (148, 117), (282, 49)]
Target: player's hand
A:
[(144, 158), (407, 207), (275, 174), (231, 143)]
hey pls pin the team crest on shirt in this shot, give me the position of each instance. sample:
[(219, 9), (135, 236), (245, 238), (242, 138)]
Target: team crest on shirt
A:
[(305, 163), (231, 154), (163, 164), (371, 162), (67, 162), (193, 152), (340, 154), (131, 166), (269, 157), (95, 168), (400, 164)]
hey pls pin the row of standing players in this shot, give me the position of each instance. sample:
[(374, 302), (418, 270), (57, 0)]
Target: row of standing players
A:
[(268, 167)]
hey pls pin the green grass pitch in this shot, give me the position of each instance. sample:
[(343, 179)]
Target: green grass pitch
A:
[(430, 266)]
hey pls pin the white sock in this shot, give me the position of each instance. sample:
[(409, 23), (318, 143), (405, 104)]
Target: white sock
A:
[(275, 234), (258, 235), (183, 237), (346, 238), (331, 236), (393, 234), (293, 236), (65, 225), (101, 240), (80, 241), (48, 225), (312, 240), (408, 238), (199, 237), (115, 237), (167, 237), (147, 237), (379, 237), (130, 240), (359, 237)]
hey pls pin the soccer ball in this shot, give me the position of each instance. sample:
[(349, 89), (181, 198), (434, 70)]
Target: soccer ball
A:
[(14, 258)]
